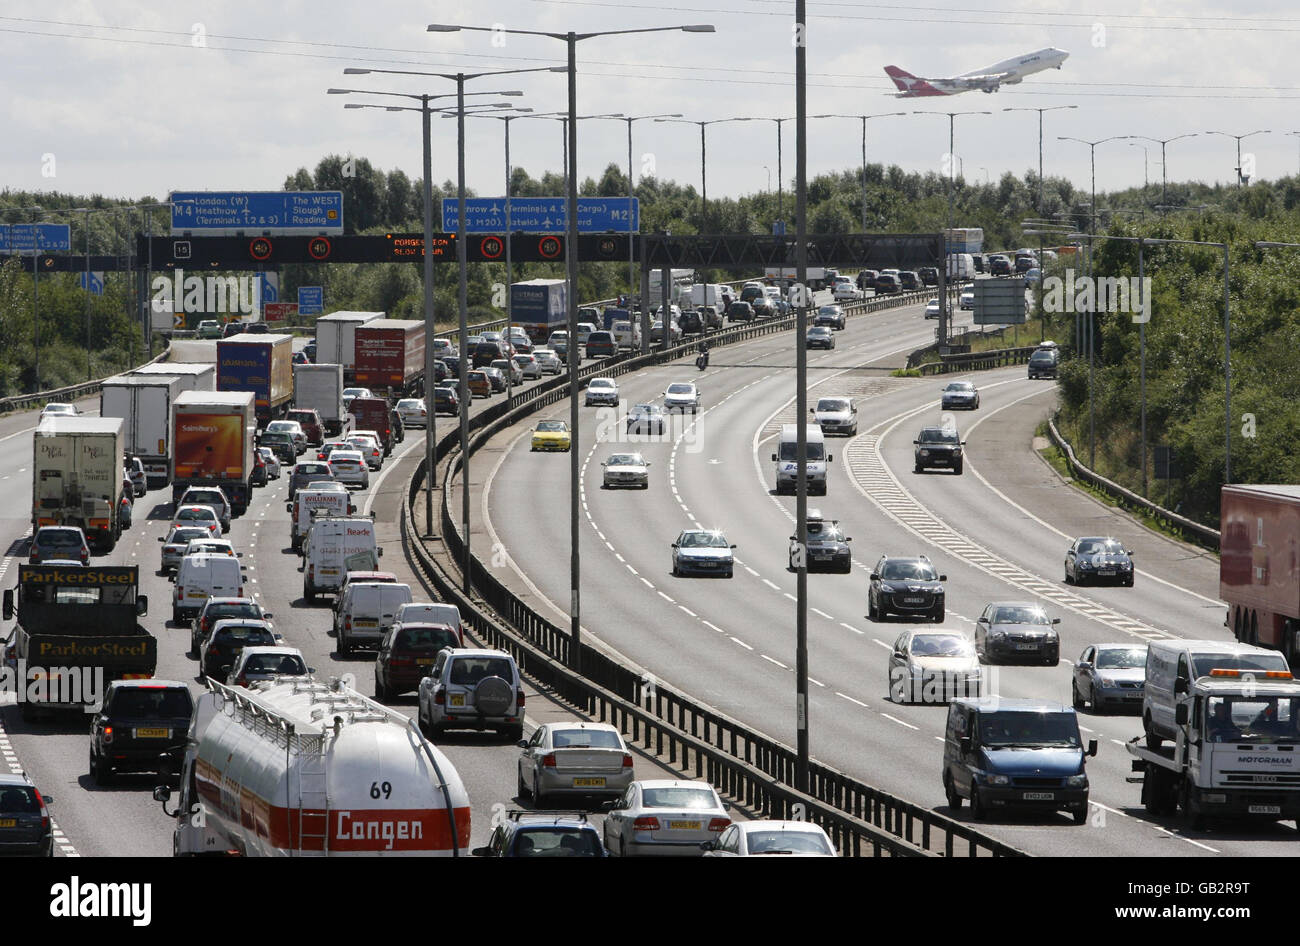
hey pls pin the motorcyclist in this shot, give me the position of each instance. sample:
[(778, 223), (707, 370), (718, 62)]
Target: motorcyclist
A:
[(702, 361)]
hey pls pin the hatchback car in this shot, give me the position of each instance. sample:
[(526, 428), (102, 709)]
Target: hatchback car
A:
[(273, 468), (229, 636), (827, 549), (543, 834), (820, 336), (844, 290), (349, 467), (704, 552), (309, 419), (646, 418), (218, 608), (1012, 631), (367, 443), (830, 315), (204, 516), (255, 664), (932, 309), (59, 543), (307, 471), (1098, 559), (59, 409), (836, 415), (789, 838), (1109, 675), (906, 586), (666, 817), (529, 367), (740, 312), (213, 496), (580, 758), (411, 411), (495, 376), (548, 360), (25, 826), (887, 285), (135, 471), (445, 400), (601, 391), (625, 469), (293, 429), (141, 727), (938, 447), (682, 396), (933, 666), (480, 384), (551, 435), (472, 689), (601, 345), (175, 543), (407, 653), (960, 395)]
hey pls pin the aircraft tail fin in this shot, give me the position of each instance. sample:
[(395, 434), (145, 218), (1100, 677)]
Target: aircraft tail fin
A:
[(910, 85)]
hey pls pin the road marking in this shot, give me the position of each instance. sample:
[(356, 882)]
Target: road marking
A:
[(851, 628), (774, 660), (900, 722), (742, 643), (822, 613), (771, 584), (851, 699), (877, 640)]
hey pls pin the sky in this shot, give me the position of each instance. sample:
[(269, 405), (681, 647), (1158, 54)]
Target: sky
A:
[(127, 98)]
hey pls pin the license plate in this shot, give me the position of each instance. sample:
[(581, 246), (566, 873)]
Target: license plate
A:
[(588, 783), (196, 594), (684, 825), (1106, 572), (1254, 810), (820, 556), (366, 623), (1026, 647), (913, 600), (458, 699), (329, 571), (152, 733), (1039, 796), (8, 822)]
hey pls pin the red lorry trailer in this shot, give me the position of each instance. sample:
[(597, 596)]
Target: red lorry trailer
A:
[(1259, 565), (390, 356)]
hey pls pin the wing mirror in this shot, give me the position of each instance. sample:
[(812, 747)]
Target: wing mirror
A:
[(142, 605), (965, 744), (1180, 714), (1056, 620), (733, 545), (1083, 665), (943, 577), (1180, 685), (162, 538), (1092, 747)]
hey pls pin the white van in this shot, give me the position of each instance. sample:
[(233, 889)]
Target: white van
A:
[(201, 576), (333, 547), (786, 459), (310, 503), (366, 612), (1172, 666), (961, 266), (424, 612)]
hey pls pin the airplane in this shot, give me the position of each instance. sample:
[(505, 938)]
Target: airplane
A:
[(1008, 72)]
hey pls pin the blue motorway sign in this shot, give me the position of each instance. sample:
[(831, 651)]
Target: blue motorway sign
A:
[(38, 237), (543, 214), (257, 212), (96, 281), (311, 300)]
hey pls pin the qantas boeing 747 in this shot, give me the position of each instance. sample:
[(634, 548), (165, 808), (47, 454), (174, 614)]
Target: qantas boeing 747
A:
[(989, 79)]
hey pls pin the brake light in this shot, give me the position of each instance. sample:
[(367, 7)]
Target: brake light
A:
[(719, 824), (45, 812), (440, 697), (645, 823), (627, 760), (548, 760), (108, 734), (1267, 674), (347, 623), (395, 662), (520, 695)]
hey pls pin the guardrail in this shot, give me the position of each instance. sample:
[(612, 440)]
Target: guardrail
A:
[(70, 393), (744, 764), (978, 360), (1201, 534)]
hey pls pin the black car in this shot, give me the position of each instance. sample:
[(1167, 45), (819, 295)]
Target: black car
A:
[(887, 284), (221, 609), (908, 586), (690, 323), (910, 281), (398, 428), (740, 312), (24, 818), (999, 266), (1043, 364), (142, 727), (820, 336), (445, 401), (867, 279), (543, 834), (929, 275), (828, 546), (938, 446), (310, 351), (440, 371), (646, 418), (308, 471), (762, 306), (406, 656), (282, 445), (453, 365), (229, 638), (1098, 559), (1015, 631)]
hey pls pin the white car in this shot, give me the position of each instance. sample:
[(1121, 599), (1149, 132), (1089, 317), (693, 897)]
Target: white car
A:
[(194, 515), (357, 392), (967, 298), (681, 396), (547, 360), (601, 391), (59, 410), (349, 466), (671, 817), (528, 367), (751, 838), (508, 368), (933, 666), (844, 290), (932, 309), (412, 412), (626, 469), (215, 546), (272, 462), (293, 428)]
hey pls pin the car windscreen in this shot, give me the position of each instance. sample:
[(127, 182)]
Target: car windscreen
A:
[(626, 459), (244, 635), (703, 540), (183, 536), (288, 664), (550, 427), (194, 515), (1202, 664), (825, 532), (1029, 729), (585, 739), (907, 571), (59, 539), (218, 612), (1121, 658), (1101, 547), (781, 842), (311, 469), (1019, 616), (938, 436), (960, 385), (557, 842), (941, 645), (692, 799), (170, 702), (789, 451), (832, 404), (679, 389), (468, 671)]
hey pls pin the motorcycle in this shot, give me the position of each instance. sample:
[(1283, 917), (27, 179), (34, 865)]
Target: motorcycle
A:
[(702, 360)]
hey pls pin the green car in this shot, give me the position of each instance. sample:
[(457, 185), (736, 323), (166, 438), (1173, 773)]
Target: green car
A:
[(209, 328)]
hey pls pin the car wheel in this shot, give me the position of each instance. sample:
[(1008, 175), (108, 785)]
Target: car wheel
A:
[(176, 616), (950, 790), (918, 469), (381, 692), (676, 573), (102, 771), (957, 469), (521, 792), (1129, 583), (1081, 815), (1068, 579), (937, 615), (1153, 741), (977, 809), (730, 572), (309, 594), (1074, 695), (872, 613)]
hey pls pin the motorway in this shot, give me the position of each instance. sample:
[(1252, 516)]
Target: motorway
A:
[(998, 532), (122, 819)]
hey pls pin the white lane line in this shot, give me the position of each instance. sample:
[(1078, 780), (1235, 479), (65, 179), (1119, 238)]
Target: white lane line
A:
[(620, 558), (751, 571), (647, 583), (850, 699), (666, 598), (688, 610), (742, 643), (895, 719), (822, 613), (711, 625), (851, 628), (877, 640), (771, 584), (774, 661), (816, 683), (790, 596)]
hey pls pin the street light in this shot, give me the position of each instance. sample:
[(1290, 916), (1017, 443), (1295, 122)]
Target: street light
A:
[(863, 119), (1050, 108), (1297, 134), (1262, 131), (704, 187), (571, 40), (35, 209), (1146, 154), (1164, 179)]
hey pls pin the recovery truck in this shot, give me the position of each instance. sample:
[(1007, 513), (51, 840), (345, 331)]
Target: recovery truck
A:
[(74, 621), (1236, 754)]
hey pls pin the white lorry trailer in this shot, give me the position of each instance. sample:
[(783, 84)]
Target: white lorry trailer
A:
[(144, 403), (77, 476)]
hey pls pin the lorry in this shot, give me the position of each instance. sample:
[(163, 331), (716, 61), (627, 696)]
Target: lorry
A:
[(708, 294), (964, 240), (262, 364), (320, 388), (144, 403), (328, 771), (1258, 573), (194, 376), (336, 339), (212, 443), (539, 307), (77, 476), (390, 356), (77, 629), (1233, 754), (818, 277)]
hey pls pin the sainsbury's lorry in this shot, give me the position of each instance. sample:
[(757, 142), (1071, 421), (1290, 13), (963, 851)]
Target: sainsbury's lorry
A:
[(213, 443)]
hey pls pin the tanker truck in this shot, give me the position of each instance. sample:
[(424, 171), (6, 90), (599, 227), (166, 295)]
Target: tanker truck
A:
[(293, 767)]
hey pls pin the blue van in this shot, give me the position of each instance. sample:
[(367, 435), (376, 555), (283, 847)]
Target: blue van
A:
[(1003, 753)]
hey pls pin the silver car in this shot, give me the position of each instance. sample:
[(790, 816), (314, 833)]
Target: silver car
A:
[(174, 545), (703, 551), (836, 415), (933, 666), (349, 467), (626, 469), (791, 838), (528, 365), (267, 663), (671, 817), (682, 396), (548, 361), (573, 759), (1017, 630), (272, 462), (1110, 675)]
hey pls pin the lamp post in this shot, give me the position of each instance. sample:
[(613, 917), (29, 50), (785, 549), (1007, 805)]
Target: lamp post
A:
[(36, 210), (1164, 178), (863, 119), (801, 392), (704, 186), (1262, 131), (1050, 108), (1297, 134), (460, 78), (571, 40), (1146, 178)]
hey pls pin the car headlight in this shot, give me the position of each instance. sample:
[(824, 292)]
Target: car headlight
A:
[(956, 453), (995, 632), (1106, 681), (995, 779), (925, 453), (1077, 781), (1085, 565)]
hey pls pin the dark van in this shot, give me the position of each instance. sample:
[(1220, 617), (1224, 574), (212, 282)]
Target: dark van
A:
[(1015, 753)]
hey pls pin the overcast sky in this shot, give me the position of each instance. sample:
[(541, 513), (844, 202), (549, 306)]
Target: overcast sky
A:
[(125, 98)]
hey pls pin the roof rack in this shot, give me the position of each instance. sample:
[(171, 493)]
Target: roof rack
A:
[(515, 814)]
